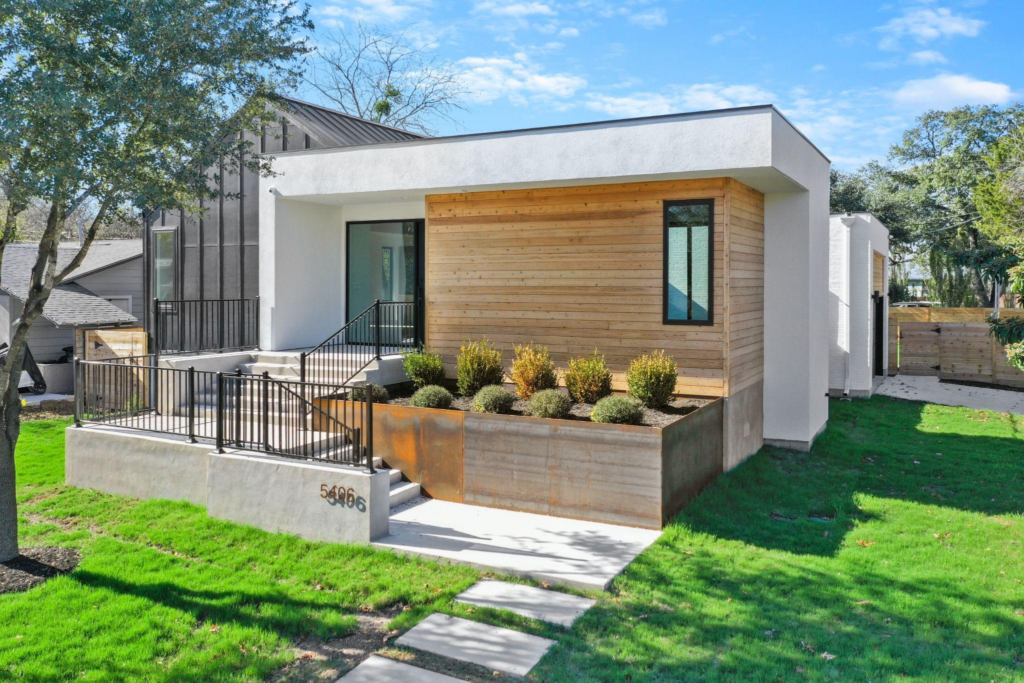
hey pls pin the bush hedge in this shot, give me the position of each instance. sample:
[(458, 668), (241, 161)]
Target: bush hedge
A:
[(478, 365), (588, 378), (619, 410), (432, 396), (423, 367), (494, 399), (533, 370), (652, 379), (378, 394), (550, 403)]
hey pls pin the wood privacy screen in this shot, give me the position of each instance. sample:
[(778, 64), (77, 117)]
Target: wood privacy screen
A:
[(949, 348), (121, 342), (574, 268)]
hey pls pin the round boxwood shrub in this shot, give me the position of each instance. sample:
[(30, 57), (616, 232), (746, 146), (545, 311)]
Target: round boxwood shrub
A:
[(432, 396), (550, 403), (378, 394), (652, 379), (478, 365), (588, 378), (618, 410), (494, 399)]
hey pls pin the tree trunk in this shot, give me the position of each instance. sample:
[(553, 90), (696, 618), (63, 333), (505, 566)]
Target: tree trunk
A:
[(10, 426)]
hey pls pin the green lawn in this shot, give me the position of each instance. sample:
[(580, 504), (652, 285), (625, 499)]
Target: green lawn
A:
[(894, 550)]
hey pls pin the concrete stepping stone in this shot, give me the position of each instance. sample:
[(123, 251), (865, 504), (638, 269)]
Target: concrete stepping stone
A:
[(498, 649), (553, 607), (383, 670)]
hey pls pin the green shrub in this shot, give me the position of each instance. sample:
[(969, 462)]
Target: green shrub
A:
[(618, 410), (494, 399), (550, 403), (652, 379), (533, 370), (478, 366), (432, 396), (423, 367), (378, 394), (588, 379)]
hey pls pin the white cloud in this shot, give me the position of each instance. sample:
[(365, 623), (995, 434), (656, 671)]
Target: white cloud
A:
[(679, 99), (515, 9), (517, 78), (569, 32), (950, 90), (819, 67), (652, 18), (924, 25), (731, 33), (926, 57), (368, 10)]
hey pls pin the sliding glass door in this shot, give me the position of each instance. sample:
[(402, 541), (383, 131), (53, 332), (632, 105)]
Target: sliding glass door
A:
[(385, 262)]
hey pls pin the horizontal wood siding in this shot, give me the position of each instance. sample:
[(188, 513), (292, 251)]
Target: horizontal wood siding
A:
[(575, 268), (878, 272), (745, 286)]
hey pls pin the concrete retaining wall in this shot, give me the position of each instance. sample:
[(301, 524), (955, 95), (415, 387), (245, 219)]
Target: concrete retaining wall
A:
[(134, 464), (268, 492), (292, 496)]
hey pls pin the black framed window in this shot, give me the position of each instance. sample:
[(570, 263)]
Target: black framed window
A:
[(689, 263)]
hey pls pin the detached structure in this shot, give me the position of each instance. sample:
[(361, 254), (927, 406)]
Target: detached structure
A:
[(858, 303)]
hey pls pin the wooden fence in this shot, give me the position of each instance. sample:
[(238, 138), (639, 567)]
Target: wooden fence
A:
[(950, 343), (119, 342)]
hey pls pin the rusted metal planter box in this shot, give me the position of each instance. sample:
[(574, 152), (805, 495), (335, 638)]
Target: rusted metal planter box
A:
[(639, 476)]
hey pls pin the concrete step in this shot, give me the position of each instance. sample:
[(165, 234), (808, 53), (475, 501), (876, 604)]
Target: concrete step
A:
[(395, 476), (276, 370), (403, 491)]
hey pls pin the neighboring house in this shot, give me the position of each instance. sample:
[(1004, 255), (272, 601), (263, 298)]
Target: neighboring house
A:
[(215, 256), (858, 303), (917, 284), (105, 291)]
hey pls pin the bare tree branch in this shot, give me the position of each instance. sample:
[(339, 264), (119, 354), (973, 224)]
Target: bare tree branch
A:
[(385, 78)]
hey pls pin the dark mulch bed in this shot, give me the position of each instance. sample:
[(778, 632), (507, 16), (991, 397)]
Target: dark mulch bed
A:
[(580, 411), (34, 566)]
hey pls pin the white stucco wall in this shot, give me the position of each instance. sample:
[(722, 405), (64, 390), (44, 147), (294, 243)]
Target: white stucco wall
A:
[(851, 320), (756, 146)]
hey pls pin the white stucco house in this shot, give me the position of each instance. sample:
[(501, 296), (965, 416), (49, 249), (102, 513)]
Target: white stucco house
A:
[(858, 303)]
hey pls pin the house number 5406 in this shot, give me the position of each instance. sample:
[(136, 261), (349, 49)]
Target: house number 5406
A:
[(338, 493)]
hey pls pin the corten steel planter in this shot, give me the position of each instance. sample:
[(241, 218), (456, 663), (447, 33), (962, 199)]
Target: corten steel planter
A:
[(620, 474)]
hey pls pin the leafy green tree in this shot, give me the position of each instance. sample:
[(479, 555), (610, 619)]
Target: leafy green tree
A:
[(120, 103), (1000, 197)]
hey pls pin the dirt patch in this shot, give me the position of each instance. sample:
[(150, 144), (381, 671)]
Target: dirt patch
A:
[(34, 566), (675, 410), (327, 660), (52, 409)]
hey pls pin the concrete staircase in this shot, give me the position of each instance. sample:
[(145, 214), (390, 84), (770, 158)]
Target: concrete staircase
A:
[(284, 365)]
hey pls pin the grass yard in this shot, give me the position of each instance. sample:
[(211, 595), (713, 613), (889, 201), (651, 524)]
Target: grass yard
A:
[(894, 550)]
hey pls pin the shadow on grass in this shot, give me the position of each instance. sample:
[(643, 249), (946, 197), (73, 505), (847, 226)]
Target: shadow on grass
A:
[(805, 503)]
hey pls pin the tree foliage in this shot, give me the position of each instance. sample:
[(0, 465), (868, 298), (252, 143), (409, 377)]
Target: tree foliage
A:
[(122, 104)]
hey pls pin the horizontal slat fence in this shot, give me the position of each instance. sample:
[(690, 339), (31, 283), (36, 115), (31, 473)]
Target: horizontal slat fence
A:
[(950, 343)]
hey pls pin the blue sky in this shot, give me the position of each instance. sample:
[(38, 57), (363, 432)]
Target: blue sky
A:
[(852, 75)]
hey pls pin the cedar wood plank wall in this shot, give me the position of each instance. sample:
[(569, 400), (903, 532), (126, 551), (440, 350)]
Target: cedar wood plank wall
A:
[(878, 272), (572, 268)]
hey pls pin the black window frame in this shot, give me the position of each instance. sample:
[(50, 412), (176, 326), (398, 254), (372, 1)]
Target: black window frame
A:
[(176, 255), (710, 203)]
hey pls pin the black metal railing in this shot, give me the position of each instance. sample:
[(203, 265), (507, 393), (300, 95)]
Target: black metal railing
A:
[(205, 325), (246, 412), (385, 328)]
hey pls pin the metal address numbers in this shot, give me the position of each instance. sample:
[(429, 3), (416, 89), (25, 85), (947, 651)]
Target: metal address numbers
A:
[(338, 493)]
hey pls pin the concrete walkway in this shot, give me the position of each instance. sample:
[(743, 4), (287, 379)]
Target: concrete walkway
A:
[(568, 552), (931, 390)]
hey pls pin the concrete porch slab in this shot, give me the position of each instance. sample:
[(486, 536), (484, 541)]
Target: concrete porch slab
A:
[(931, 390), (497, 648), (568, 552), (556, 608), (383, 670)]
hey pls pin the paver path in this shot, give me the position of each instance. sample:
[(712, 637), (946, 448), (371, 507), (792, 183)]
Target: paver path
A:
[(560, 609), (383, 670)]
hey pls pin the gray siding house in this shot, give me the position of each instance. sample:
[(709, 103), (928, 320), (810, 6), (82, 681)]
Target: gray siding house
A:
[(105, 291)]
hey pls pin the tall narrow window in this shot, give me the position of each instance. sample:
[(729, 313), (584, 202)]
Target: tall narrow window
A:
[(689, 262), (387, 268), (163, 265)]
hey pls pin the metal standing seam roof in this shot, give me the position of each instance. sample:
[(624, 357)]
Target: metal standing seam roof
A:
[(336, 129), (71, 304)]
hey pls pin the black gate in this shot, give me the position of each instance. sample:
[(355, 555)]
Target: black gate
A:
[(878, 364)]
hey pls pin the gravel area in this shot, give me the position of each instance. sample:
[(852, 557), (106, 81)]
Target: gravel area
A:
[(34, 566), (580, 411)]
